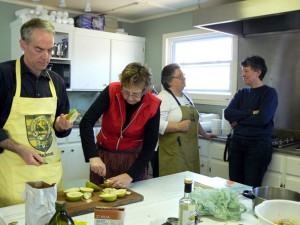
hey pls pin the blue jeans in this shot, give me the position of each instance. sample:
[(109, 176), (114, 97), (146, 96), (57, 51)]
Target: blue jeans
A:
[(249, 160)]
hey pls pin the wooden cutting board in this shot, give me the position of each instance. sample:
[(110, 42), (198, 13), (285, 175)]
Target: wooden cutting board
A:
[(83, 206)]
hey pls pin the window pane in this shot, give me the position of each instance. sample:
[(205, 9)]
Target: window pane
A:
[(203, 49), (207, 78)]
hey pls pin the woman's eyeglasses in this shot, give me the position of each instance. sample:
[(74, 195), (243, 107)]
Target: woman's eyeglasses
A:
[(179, 76), (127, 94)]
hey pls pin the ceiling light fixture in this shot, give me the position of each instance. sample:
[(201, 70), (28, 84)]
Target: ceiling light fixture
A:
[(88, 6)]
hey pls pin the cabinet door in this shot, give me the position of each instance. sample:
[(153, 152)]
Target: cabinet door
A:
[(219, 168), (203, 147), (273, 179), (74, 166), (90, 62), (124, 52), (292, 179), (204, 166)]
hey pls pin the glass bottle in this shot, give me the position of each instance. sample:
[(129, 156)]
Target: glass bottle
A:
[(61, 216), (187, 206)]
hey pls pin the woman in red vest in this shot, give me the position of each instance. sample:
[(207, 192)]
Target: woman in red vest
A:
[(129, 131)]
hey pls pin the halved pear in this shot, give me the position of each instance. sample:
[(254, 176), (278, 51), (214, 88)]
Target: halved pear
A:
[(121, 192), (74, 196), (109, 197), (86, 190), (75, 189)]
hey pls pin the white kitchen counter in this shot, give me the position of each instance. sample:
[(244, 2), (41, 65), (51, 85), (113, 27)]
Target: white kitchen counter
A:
[(161, 197)]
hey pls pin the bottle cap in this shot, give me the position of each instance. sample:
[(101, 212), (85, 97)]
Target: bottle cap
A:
[(188, 181)]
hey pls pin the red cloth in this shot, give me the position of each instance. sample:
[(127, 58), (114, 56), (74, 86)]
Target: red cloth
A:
[(111, 135)]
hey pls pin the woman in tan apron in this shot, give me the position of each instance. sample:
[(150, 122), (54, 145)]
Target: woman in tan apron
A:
[(31, 127), (179, 127)]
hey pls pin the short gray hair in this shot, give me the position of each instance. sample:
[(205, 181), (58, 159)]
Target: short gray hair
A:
[(36, 23), (167, 74)]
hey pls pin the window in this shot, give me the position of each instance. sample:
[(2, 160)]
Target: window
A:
[(208, 60)]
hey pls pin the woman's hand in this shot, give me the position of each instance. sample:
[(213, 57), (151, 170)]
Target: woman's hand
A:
[(120, 181), (97, 166), (184, 125)]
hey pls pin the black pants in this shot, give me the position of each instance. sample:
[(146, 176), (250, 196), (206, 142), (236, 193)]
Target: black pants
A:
[(249, 160), (154, 164)]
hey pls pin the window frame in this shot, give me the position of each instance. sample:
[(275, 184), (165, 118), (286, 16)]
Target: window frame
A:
[(203, 98)]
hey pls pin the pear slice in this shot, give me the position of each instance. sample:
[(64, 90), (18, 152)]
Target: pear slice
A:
[(92, 185), (72, 116), (74, 196)]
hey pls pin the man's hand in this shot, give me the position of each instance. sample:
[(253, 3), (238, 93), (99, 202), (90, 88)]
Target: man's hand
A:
[(62, 124), (30, 156)]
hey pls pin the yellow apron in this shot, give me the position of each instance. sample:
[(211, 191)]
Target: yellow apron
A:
[(178, 151), (30, 123)]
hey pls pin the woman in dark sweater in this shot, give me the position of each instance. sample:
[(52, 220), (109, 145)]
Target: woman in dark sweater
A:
[(250, 114)]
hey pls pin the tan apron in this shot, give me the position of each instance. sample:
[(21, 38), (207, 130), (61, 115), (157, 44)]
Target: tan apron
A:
[(30, 123), (178, 151)]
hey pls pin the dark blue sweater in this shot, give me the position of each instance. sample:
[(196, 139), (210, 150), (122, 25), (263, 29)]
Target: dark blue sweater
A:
[(241, 108)]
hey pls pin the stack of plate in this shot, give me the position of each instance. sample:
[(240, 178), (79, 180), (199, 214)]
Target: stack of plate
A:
[(226, 127), (216, 126)]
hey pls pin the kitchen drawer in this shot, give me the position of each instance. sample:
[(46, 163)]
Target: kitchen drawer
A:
[(277, 164), (216, 150), (203, 147)]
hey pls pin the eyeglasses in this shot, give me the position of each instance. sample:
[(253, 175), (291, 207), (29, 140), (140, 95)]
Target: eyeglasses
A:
[(180, 76), (127, 94)]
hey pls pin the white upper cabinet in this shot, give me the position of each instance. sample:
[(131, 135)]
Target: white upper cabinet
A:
[(95, 58), (99, 57), (124, 52), (63, 32), (91, 60)]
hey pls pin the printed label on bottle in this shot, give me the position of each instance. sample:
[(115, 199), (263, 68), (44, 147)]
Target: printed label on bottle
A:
[(188, 216)]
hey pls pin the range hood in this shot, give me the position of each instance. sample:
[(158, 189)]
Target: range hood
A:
[(250, 17)]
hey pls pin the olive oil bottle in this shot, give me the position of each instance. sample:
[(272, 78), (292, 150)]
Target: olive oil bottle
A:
[(61, 217), (187, 206)]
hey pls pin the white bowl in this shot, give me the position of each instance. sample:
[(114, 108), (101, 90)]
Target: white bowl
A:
[(271, 211)]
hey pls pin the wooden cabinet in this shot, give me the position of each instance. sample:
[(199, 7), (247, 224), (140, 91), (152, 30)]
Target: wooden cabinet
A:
[(91, 60), (292, 175), (211, 159), (62, 31), (95, 58), (274, 175), (283, 170), (124, 52), (71, 155), (99, 57)]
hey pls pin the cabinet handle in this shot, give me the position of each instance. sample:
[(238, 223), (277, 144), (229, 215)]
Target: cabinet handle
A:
[(72, 150), (209, 169), (202, 165), (62, 151)]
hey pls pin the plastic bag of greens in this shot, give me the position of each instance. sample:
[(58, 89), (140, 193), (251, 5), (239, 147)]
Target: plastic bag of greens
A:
[(221, 203)]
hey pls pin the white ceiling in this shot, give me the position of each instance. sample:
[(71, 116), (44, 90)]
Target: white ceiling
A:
[(126, 10)]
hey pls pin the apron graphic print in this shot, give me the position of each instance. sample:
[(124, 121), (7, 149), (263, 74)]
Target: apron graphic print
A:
[(38, 128)]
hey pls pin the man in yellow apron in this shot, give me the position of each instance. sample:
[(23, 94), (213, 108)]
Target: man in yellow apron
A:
[(32, 115)]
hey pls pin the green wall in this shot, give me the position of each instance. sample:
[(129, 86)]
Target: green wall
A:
[(152, 30), (7, 15)]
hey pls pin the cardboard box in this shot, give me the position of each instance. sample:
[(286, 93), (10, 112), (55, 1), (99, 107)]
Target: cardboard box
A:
[(110, 21), (109, 215), (109, 29)]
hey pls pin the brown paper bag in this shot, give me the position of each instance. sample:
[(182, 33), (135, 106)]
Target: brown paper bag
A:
[(40, 199)]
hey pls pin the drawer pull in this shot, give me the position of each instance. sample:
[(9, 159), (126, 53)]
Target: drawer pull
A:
[(62, 151)]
